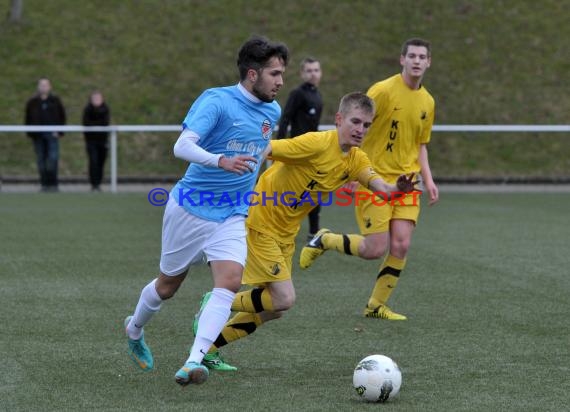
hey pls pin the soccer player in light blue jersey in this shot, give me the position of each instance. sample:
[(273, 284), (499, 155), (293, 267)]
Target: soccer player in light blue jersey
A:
[(223, 137)]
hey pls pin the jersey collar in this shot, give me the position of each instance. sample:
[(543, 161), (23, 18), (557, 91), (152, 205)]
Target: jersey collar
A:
[(247, 94)]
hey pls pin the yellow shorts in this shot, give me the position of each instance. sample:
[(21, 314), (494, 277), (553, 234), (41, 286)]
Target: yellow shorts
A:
[(268, 260), (374, 215)]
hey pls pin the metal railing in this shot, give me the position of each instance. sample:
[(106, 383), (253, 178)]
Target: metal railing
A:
[(114, 130)]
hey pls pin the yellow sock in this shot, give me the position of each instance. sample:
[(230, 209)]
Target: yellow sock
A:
[(241, 325), (386, 281), (253, 301), (347, 244)]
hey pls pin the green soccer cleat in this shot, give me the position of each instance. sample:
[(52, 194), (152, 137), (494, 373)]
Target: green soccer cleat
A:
[(312, 250), (205, 298), (215, 362), (191, 372), (139, 351)]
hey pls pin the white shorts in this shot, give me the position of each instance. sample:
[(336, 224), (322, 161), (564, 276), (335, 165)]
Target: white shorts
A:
[(188, 240)]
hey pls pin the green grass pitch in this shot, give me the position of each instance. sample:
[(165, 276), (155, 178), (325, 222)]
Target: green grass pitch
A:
[(486, 292)]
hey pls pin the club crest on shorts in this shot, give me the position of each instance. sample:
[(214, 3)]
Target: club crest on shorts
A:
[(275, 269), (266, 129)]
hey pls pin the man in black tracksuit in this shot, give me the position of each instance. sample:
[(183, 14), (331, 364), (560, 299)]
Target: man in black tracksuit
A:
[(46, 109), (96, 113), (303, 112)]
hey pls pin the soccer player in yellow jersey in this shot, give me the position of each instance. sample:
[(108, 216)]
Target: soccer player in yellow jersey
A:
[(396, 145), (305, 171)]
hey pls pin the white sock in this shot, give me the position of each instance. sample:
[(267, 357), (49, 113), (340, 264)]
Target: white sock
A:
[(212, 320), (149, 304)]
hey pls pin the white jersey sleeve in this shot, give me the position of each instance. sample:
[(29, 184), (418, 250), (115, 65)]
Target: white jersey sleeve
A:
[(186, 148)]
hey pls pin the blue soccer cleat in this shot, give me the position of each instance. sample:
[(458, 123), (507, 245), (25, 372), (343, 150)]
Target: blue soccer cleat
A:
[(139, 351), (192, 373)]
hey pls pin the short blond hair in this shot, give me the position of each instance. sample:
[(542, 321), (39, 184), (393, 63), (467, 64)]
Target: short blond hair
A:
[(356, 100)]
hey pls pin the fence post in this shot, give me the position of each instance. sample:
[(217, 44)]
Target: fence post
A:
[(114, 160)]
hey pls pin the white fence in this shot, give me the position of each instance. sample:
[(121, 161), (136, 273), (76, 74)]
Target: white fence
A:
[(114, 130)]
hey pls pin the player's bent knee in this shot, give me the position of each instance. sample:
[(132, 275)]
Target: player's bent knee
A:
[(231, 282), (374, 246), (373, 254), (284, 302), (234, 286), (269, 316), (167, 286), (166, 291), (400, 248), (227, 275), (372, 251)]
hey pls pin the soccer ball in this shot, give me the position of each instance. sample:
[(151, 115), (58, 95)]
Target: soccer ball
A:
[(377, 378)]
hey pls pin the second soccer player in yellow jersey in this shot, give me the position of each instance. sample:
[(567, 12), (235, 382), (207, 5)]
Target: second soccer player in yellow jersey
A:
[(396, 144), (305, 171)]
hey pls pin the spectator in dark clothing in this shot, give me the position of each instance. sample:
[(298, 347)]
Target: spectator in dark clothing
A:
[(305, 104), (303, 111), (46, 109), (96, 113)]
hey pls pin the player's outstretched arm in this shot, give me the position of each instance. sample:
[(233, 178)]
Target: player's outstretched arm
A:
[(404, 184), (378, 185)]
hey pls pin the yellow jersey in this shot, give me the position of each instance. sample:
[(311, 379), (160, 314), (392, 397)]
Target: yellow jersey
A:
[(402, 122), (305, 172)]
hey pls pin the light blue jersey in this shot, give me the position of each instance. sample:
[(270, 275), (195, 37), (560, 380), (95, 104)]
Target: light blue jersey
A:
[(228, 123)]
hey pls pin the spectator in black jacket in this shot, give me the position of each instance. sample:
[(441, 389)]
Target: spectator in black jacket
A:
[(46, 109), (303, 111), (304, 104), (96, 113)]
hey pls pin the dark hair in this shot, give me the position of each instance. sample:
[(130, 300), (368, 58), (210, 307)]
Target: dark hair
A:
[(356, 100), (256, 53), (308, 60), (416, 41)]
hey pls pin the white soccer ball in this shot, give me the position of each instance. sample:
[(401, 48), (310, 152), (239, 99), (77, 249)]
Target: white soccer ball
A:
[(377, 378)]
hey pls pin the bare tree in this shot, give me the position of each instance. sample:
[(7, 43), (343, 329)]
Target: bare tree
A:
[(16, 10)]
